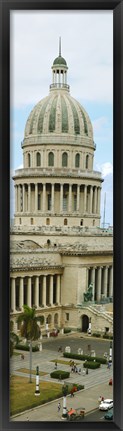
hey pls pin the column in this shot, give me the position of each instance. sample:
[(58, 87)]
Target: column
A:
[(44, 291), (51, 289), (37, 291), (29, 302), (93, 281), (111, 282), (23, 188), (21, 293), (53, 197), (87, 277), (36, 197), (78, 197), (91, 198), (99, 273), (29, 198), (61, 197), (58, 289), (19, 198), (105, 281), (44, 197), (16, 198), (85, 198), (70, 198), (95, 200), (13, 294)]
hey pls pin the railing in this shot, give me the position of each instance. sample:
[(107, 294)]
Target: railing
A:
[(60, 85)]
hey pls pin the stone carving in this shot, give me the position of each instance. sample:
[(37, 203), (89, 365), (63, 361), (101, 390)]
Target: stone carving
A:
[(89, 294)]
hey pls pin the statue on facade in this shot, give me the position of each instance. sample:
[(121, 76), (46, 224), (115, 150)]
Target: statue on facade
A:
[(89, 294)]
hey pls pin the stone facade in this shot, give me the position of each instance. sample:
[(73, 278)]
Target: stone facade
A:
[(57, 245)]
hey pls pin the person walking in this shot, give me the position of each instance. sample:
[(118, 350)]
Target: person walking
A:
[(55, 365), (59, 407)]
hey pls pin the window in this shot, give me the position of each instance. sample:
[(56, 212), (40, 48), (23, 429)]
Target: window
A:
[(38, 159), (32, 220), (49, 202), (64, 159), (81, 222), (29, 160), (87, 159), (19, 220), (65, 203), (47, 221), (67, 316), (93, 222), (50, 159), (65, 222), (75, 202), (39, 201), (77, 160)]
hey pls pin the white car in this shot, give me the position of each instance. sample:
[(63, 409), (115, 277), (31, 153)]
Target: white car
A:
[(106, 404)]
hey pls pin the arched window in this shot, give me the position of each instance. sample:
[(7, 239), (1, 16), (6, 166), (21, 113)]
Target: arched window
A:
[(64, 159), (87, 159), (50, 159), (29, 160), (47, 221), (81, 222), (65, 221), (38, 159), (56, 319), (49, 319), (77, 160)]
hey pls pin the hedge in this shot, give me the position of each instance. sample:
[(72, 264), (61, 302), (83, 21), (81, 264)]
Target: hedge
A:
[(92, 365), (96, 334), (108, 337), (60, 374), (67, 330), (84, 357), (26, 347)]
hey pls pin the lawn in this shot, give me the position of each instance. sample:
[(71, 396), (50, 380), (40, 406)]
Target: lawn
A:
[(22, 394), (25, 370), (61, 361)]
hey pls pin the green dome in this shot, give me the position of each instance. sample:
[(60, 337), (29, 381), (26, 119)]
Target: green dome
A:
[(60, 60)]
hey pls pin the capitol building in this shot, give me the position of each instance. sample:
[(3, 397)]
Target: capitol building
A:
[(57, 247)]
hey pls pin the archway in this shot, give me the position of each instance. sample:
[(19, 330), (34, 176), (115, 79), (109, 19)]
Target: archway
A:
[(85, 323)]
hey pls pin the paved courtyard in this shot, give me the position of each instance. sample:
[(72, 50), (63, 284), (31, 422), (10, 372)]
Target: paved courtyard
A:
[(95, 382)]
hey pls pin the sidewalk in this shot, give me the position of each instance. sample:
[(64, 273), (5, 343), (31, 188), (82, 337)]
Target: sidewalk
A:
[(88, 399)]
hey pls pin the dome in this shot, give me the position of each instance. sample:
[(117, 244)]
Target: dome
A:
[(60, 61), (58, 113)]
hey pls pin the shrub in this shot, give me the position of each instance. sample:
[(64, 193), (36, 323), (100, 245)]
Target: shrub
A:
[(96, 334), (84, 357), (26, 347), (92, 365), (108, 337), (67, 330), (60, 374)]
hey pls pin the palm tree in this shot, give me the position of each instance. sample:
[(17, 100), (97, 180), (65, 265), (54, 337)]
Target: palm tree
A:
[(29, 328)]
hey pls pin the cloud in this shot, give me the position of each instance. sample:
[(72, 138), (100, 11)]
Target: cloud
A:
[(105, 168)]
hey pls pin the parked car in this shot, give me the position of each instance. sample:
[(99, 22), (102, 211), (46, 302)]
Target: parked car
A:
[(106, 404), (109, 415)]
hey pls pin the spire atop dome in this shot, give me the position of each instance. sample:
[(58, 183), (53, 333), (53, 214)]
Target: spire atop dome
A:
[(59, 72), (60, 46)]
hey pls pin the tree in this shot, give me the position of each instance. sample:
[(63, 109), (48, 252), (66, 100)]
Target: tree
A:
[(29, 328)]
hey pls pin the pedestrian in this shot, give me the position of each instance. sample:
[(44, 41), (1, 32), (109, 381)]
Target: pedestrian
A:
[(72, 393), (55, 365), (99, 399), (59, 407)]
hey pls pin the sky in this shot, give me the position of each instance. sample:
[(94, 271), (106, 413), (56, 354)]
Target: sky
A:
[(87, 46)]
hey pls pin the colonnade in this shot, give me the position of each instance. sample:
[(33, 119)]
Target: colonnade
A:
[(38, 291), (102, 279), (57, 198)]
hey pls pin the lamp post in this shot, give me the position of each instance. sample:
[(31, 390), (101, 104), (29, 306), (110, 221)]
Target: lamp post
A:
[(64, 391), (37, 390)]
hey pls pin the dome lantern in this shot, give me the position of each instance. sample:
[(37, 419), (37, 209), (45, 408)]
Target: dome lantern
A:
[(59, 72)]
